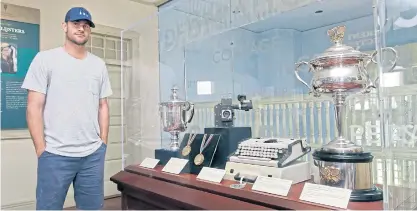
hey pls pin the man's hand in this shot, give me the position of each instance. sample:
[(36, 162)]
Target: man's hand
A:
[(34, 118), (39, 152)]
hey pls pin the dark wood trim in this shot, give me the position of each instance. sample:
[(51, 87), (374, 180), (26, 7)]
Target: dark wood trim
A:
[(141, 192), (247, 195)]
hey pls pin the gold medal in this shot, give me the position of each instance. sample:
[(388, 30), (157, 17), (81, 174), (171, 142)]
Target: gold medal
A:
[(199, 159), (186, 150)]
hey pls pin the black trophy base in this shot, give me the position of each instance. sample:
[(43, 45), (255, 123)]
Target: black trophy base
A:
[(164, 155), (368, 195), (359, 157)]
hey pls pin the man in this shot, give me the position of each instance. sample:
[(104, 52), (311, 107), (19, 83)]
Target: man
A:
[(68, 118)]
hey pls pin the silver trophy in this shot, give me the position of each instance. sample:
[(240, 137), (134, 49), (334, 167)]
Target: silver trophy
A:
[(339, 72), (174, 117)]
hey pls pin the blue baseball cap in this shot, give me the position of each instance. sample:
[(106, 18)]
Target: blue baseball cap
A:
[(79, 13)]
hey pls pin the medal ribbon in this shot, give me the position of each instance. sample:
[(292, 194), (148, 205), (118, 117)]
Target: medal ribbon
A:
[(205, 143), (191, 139)]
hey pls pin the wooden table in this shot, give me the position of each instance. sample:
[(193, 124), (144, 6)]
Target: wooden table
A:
[(152, 189)]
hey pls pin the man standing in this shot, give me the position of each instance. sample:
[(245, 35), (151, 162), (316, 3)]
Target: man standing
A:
[(68, 118)]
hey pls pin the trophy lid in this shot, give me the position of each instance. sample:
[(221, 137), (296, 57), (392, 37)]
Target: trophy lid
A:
[(174, 94), (342, 146), (174, 98), (339, 50)]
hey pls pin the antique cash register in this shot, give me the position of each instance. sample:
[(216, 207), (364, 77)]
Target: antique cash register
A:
[(270, 157)]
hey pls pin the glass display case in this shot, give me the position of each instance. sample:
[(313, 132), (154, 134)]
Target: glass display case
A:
[(395, 28), (221, 82)]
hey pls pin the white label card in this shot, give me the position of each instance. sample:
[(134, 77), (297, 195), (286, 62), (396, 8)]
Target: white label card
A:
[(149, 163), (272, 185), (321, 194), (211, 174), (175, 165)]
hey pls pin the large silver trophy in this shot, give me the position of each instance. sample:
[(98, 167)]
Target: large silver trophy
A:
[(339, 72), (174, 117)]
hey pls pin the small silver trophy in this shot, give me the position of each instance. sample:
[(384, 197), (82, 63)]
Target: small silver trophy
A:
[(174, 117), (339, 72)]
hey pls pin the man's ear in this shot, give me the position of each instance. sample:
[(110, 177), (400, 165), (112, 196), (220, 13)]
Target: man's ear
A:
[(64, 26)]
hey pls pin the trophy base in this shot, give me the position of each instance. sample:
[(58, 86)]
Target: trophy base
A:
[(332, 157), (367, 195), (174, 147), (348, 170)]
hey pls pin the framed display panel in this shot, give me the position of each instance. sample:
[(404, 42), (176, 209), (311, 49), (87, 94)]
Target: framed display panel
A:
[(212, 51)]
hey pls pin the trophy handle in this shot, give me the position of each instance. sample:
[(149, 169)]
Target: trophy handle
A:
[(190, 118), (393, 65), (297, 69), (363, 71)]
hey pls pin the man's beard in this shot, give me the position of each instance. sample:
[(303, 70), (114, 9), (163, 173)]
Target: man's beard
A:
[(77, 43)]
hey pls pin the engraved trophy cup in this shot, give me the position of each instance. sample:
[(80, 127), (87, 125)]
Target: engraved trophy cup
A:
[(174, 117), (339, 72)]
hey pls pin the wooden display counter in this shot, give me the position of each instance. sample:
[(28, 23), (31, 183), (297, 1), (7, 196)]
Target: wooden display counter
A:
[(152, 189)]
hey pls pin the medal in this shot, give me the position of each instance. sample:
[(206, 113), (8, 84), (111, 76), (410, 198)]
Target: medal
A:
[(199, 159), (187, 149)]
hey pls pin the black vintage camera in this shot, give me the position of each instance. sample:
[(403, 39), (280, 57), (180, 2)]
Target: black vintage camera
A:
[(224, 113)]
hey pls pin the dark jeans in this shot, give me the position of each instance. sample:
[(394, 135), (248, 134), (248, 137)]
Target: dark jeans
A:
[(56, 173)]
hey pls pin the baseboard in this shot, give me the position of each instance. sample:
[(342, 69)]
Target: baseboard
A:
[(113, 196), (30, 205)]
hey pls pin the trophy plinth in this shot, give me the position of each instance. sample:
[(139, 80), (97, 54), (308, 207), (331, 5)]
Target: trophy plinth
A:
[(174, 118), (338, 73)]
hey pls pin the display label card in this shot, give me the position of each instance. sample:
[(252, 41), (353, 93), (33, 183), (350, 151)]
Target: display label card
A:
[(211, 174), (321, 194), (175, 165), (272, 185), (149, 163)]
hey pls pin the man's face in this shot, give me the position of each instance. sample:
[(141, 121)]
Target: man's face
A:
[(77, 32)]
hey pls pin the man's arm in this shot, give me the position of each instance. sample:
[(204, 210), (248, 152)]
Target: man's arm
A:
[(34, 118), (104, 119), (104, 114), (36, 82)]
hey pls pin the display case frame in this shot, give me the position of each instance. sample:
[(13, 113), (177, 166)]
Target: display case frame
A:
[(397, 102), (271, 102)]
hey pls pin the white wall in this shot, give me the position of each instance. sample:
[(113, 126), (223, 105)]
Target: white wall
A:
[(18, 159)]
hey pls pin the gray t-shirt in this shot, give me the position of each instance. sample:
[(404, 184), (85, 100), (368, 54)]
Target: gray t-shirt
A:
[(73, 88)]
